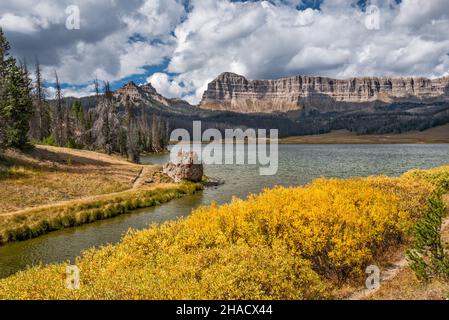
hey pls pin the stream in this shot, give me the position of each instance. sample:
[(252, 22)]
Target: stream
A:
[(298, 165)]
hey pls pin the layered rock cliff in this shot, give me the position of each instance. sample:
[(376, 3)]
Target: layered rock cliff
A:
[(232, 92), (365, 105)]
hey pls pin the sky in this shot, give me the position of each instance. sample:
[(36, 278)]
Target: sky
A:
[(181, 45)]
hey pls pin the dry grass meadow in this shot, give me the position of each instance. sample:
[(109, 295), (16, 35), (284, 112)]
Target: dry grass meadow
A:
[(52, 188), (48, 174)]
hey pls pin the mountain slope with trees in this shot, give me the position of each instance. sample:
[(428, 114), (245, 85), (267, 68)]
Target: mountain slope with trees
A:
[(109, 122), (137, 119)]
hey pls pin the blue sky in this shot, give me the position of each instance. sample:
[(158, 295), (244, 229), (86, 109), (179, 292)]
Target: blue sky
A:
[(179, 46), (141, 78)]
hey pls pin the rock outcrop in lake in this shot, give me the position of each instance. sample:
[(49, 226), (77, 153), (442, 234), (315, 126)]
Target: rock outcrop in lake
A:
[(233, 92), (186, 167)]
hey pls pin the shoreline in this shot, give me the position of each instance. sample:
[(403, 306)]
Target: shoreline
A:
[(51, 188), (436, 135), (73, 213)]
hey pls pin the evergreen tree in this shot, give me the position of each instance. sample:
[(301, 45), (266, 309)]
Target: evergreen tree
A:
[(4, 53), (18, 107), (428, 257), (15, 100)]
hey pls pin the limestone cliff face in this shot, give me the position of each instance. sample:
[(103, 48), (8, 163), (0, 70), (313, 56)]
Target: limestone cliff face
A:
[(232, 92)]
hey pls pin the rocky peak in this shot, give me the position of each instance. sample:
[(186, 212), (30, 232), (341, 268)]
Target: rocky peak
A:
[(230, 76), (130, 89), (148, 88), (131, 84), (152, 93), (145, 93)]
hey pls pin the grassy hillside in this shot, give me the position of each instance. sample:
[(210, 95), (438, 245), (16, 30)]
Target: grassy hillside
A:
[(48, 174), (52, 188), (286, 243)]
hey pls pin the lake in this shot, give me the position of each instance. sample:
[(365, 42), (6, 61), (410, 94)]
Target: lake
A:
[(298, 165)]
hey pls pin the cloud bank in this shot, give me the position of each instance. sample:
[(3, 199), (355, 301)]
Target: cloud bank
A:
[(179, 46)]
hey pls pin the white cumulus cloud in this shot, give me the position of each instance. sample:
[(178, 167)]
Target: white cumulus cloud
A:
[(167, 87), (11, 22), (202, 38)]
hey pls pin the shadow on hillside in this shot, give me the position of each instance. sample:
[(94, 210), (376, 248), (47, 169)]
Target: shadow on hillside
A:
[(50, 161), (64, 158)]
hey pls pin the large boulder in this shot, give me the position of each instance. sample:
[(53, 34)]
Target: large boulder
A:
[(185, 167)]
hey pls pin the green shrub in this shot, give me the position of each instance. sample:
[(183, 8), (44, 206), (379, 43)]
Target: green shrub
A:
[(49, 141), (73, 144), (428, 257)]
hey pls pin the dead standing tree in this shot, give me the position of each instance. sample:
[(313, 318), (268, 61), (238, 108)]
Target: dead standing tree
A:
[(41, 119), (106, 126), (58, 114), (132, 133), (156, 134)]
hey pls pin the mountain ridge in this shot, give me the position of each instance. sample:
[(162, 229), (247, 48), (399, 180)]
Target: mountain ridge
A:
[(146, 93), (321, 114), (234, 92)]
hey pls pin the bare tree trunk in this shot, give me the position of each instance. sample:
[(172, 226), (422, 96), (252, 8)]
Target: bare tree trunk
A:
[(155, 134), (57, 119), (107, 123), (40, 122), (132, 138)]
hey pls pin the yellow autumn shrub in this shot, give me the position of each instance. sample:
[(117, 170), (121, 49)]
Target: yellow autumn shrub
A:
[(286, 243), (336, 224)]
